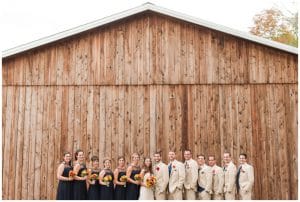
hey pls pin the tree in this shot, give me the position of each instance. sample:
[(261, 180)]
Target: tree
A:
[(273, 24)]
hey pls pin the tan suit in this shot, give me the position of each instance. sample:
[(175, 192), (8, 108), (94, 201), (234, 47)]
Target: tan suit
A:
[(230, 176), (160, 171), (218, 183), (191, 177), (176, 180), (246, 181), (205, 181)]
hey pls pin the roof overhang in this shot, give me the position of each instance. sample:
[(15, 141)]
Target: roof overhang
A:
[(139, 9)]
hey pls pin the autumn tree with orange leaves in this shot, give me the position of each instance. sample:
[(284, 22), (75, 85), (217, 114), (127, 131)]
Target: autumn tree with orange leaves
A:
[(273, 24)]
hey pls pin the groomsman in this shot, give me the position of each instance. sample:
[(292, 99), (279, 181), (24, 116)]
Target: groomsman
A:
[(230, 177), (191, 176), (245, 178), (204, 179), (160, 171), (218, 179), (176, 177)]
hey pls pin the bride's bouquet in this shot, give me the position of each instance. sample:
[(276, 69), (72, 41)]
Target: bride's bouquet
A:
[(151, 181)]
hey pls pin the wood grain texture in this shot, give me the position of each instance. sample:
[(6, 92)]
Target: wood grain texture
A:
[(151, 49), (144, 84)]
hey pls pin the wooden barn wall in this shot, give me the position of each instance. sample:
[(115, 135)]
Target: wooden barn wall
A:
[(145, 84), (151, 50)]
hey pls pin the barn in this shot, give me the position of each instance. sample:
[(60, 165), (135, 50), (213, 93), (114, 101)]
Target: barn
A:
[(149, 79)]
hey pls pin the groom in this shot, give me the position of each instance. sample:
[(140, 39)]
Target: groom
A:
[(160, 171), (176, 179)]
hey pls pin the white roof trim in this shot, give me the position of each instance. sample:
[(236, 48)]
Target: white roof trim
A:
[(139, 9)]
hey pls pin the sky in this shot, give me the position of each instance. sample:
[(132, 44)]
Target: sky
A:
[(23, 21)]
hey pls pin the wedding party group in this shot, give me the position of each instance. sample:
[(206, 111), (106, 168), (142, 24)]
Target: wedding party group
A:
[(155, 180)]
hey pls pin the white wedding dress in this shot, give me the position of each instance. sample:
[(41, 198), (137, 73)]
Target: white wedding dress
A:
[(146, 193)]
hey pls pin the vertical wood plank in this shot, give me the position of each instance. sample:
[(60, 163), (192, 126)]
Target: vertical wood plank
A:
[(32, 138), (51, 142), (13, 142), (25, 171), (38, 144), (20, 142), (90, 147), (45, 143), (102, 123)]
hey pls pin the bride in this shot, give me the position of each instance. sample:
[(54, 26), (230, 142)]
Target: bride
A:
[(146, 193)]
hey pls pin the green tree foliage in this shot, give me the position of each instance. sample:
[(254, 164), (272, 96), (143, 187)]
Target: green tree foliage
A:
[(273, 24)]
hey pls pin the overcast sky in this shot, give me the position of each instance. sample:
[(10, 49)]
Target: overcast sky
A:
[(23, 21)]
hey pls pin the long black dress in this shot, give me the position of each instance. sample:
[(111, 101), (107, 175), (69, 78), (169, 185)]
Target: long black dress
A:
[(133, 190), (79, 188), (65, 188), (120, 190), (94, 189), (107, 192)]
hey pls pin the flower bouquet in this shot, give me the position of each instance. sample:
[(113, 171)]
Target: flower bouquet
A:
[(138, 177), (72, 174), (93, 178), (107, 179), (151, 181), (84, 173), (123, 178)]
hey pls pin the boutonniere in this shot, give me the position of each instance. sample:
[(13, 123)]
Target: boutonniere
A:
[(157, 168), (173, 166)]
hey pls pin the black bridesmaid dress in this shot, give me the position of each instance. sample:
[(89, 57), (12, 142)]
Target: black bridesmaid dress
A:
[(107, 192), (120, 190), (79, 186), (65, 188), (94, 189), (133, 190)]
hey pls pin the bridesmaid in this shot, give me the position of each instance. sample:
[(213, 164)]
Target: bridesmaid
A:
[(133, 188), (80, 186), (94, 187), (65, 185), (120, 187), (106, 184)]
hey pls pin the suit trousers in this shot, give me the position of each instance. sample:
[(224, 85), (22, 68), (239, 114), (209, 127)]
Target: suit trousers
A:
[(218, 197), (230, 196), (244, 195), (176, 195), (204, 196), (189, 194), (160, 196)]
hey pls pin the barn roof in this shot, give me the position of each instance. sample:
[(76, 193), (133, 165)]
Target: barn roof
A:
[(140, 9)]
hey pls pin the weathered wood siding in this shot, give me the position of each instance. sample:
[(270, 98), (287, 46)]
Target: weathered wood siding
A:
[(143, 84)]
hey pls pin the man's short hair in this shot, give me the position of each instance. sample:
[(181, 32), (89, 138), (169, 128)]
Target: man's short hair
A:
[(243, 154)]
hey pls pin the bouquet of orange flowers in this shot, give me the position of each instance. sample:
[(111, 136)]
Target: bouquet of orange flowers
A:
[(137, 177), (107, 179), (94, 177), (84, 173), (123, 178), (72, 174), (151, 181)]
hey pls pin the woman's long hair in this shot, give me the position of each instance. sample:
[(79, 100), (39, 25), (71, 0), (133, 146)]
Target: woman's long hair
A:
[(148, 169)]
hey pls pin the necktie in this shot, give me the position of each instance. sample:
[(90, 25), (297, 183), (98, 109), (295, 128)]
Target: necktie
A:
[(237, 178), (170, 168)]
